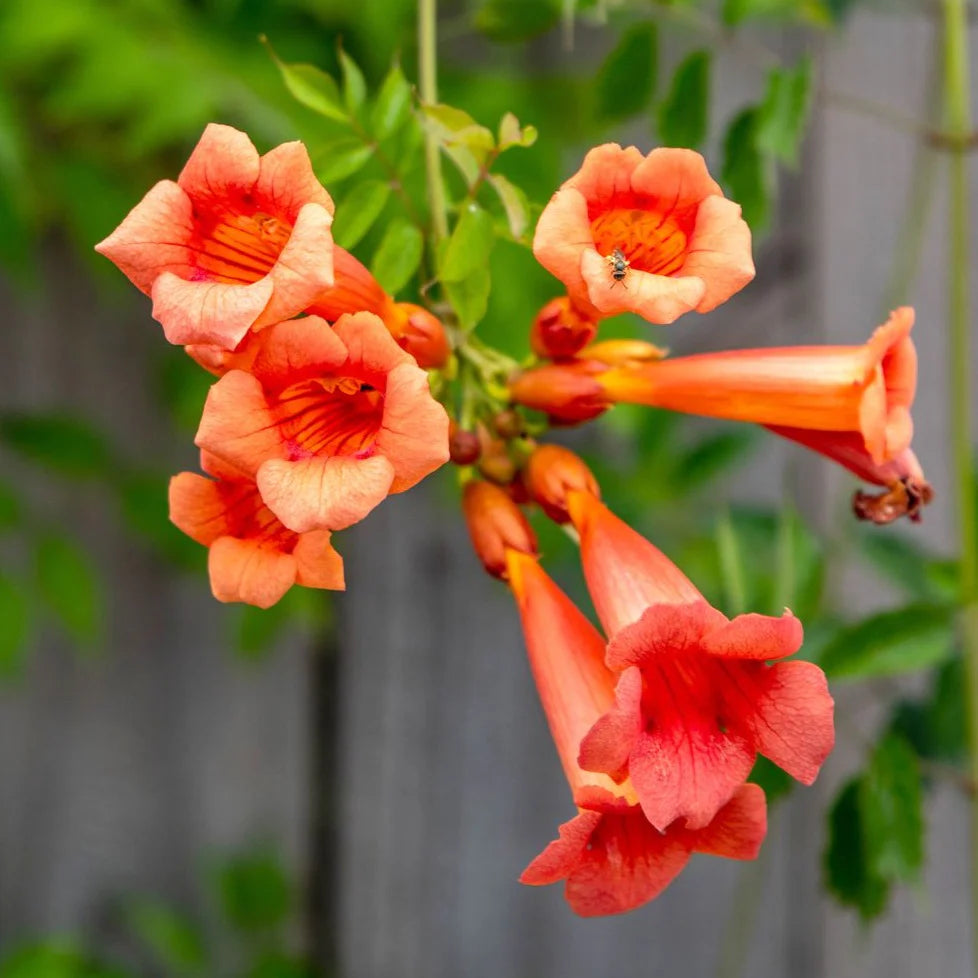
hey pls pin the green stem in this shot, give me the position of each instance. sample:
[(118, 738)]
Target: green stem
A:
[(958, 122), (428, 89)]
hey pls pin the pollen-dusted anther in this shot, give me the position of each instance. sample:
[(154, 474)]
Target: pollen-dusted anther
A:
[(560, 330), (551, 473), (904, 498), (238, 242), (568, 392), (464, 447), (496, 524)]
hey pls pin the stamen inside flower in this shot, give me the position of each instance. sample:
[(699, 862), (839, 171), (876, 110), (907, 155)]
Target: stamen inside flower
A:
[(330, 417), (650, 240), (240, 248)]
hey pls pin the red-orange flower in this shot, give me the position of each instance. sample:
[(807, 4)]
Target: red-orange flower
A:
[(496, 525), (327, 421), (561, 330), (568, 392), (252, 556), (647, 234), (238, 242), (696, 700), (612, 859), (551, 473), (866, 389)]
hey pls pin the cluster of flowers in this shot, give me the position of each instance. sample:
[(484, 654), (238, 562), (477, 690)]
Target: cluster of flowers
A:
[(322, 408)]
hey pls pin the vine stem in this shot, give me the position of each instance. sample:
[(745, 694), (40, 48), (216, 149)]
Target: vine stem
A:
[(428, 89), (957, 120)]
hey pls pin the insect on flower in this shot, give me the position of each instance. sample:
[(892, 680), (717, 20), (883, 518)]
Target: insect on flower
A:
[(619, 265)]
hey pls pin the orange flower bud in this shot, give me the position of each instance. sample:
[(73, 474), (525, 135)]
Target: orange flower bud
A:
[(560, 330), (622, 353), (495, 524), (567, 392), (420, 333), (551, 473), (464, 447)]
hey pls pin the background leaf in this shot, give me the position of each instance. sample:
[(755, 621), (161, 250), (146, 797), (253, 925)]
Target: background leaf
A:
[(684, 114), (70, 586), (398, 255), (626, 80)]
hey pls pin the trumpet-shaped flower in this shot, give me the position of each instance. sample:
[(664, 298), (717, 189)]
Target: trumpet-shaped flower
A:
[(238, 242), (561, 330), (328, 422), (612, 859), (649, 234), (496, 526), (866, 389), (252, 556), (696, 700)]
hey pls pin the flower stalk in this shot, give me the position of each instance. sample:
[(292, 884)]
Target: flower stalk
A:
[(428, 89), (957, 120)]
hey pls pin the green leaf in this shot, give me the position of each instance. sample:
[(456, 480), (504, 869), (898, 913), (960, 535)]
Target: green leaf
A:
[(398, 255), (683, 116), (626, 80), (903, 640), (469, 245), (848, 873), (52, 959), (746, 172), (712, 455), (517, 20), (777, 784), (891, 808), (341, 159), (467, 143), (511, 133), (14, 627), (393, 104), (10, 507), (142, 499), (254, 892), (817, 13), (785, 110), (470, 297), (312, 87), (176, 944), (69, 585), (182, 385), (68, 446), (900, 560), (278, 964), (354, 86), (356, 213), (936, 726), (514, 202)]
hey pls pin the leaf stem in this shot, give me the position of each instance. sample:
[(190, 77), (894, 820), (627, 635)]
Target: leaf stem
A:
[(957, 121), (428, 90)]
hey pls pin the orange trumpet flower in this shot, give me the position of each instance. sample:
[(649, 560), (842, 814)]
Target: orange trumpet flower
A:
[(612, 859), (866, 389), (696, 700), (496, 526), (252, 556), (238, 242), (650, 234), (328, 421), (561, 330)]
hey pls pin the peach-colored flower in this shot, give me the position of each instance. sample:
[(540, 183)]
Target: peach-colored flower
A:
[(326, 421), (552, 472), (866, 389), (252, 556), (650, 234), (238, 242), (612, 859), (496, 525)]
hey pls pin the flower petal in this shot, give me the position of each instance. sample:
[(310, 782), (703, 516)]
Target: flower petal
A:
[(324, 493), (243, 570), (414, 432), (739, 827), (237, 425), (606, 173), (224, 164), (562, 234), (286, 181), (199, 507), (317, 562), (755, 637), (208, 312), (719, 252), (677, 178), (660, 299), (606, 746), (558, 860), (296, 350), (373, 353), (663, 630), (154, 237)]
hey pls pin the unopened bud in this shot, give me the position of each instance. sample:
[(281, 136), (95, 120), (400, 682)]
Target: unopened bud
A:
[(551, 473), (567, 392), (508, 424), (623, 353), (495, 524), (421, 333), (559, 330), (464, 447)]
